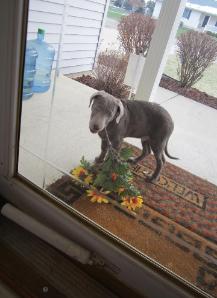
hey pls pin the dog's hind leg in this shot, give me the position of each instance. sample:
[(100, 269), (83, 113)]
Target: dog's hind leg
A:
[(146, 150), (160, 160)]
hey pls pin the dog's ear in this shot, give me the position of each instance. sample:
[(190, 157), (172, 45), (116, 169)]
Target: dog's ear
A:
[(94, 96), (91, 100), (121, 111)]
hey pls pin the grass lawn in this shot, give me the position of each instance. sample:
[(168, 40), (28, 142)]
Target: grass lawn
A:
[(116, 13), (181, 31), (208, 83)]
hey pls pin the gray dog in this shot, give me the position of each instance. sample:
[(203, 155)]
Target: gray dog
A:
[(131, 118)]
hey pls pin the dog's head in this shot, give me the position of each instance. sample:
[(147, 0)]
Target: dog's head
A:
[(104, 109)]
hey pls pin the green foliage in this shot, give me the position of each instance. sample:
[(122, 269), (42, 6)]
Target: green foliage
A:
[(126, 153), (115, 174), (85, 164), (212, 34), (181, 30)]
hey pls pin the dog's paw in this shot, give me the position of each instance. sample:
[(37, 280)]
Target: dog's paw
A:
[(151, 179)]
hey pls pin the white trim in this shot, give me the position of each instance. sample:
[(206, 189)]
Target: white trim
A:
[(162, 40), (201, 8)]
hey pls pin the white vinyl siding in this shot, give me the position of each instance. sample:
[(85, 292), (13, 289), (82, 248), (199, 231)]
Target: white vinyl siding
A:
[(212, 21), (86, 23), (81, 30), (90, 5), (193, 21), (212, 24)]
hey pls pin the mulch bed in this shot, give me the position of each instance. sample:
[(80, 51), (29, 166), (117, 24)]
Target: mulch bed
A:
[(87, 80), (167, 83), (193, 93), (176, 227)]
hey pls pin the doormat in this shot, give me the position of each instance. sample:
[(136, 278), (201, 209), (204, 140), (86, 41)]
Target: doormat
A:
[(181, 196), (177, 226)]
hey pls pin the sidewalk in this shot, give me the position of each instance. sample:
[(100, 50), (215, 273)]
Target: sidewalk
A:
[(193, 140)]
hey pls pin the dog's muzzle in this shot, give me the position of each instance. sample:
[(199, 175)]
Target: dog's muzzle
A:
[(95, 128)]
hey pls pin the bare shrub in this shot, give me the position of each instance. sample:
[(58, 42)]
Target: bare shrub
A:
[(135, 33), (110, 72), (196, 51)]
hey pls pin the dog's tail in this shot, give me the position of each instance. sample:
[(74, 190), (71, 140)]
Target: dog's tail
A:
[(167, 153)]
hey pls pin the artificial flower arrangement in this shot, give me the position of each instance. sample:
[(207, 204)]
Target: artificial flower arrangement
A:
[(112, 177)]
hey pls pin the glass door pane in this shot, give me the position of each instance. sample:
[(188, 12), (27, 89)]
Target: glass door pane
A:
[(74, 50)]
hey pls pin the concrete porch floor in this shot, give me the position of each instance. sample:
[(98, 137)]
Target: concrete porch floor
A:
[(194, 139)]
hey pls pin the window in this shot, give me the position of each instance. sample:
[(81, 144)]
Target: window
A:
[(205, 21), (38, 153), (187, 13)]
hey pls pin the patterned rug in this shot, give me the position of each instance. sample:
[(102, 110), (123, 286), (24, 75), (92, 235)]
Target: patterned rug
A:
[(181, 196), (177, 226)]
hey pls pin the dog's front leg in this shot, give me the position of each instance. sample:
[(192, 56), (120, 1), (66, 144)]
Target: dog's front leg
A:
[(104, 150), (116, 143)]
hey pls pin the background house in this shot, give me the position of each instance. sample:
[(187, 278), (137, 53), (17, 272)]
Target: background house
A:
[(198, 14), (74, 24)]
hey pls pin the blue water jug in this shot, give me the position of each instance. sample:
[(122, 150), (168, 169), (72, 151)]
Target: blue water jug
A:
[(44, 62), (29, 72)]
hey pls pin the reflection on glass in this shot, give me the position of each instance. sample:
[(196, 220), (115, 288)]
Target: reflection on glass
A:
[(174, 219)]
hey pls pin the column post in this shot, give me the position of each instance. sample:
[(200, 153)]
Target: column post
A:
[(162, 40)]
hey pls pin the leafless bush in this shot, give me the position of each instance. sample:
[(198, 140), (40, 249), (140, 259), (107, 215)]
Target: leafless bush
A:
[(196, 51), (110, 72), (135, 33)]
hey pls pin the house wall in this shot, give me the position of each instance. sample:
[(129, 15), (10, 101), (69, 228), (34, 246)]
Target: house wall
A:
[(211, 24), (193, 21), (82, 21), (212, 21)]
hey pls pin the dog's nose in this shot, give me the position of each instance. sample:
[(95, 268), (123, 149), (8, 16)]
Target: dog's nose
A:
[(95, 127)]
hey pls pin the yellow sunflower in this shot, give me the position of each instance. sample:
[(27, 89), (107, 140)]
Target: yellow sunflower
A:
[(82, 174), (97, 197), (88, 179), (79, 172), (132, 202)]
